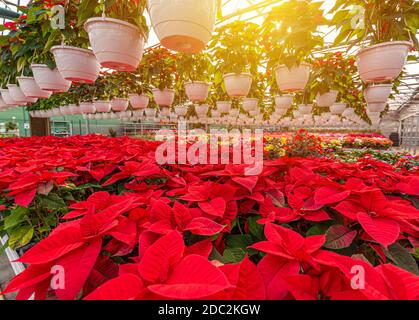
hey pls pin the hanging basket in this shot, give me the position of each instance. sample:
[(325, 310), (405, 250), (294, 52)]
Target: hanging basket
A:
[(49, 80), (102, 106), (250, 104), (378, 93), (382, 62), (31, 89), (338, 108), (164, 98), (294, 79), (197, 91), (223, 106), (119, 104), (7, 98), (237, 85), (87, 107), (284, 101), (117, 44), (76, 64), (18, 96), (139, 101), (326, 99), (183, 25)]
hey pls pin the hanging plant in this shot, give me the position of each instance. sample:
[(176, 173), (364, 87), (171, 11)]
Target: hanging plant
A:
[(118, 37), (289, 36), (236, 51), (332, 77), (387, 28), (195, 72)]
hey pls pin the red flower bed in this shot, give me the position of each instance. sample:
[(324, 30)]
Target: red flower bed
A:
[(299, 230)]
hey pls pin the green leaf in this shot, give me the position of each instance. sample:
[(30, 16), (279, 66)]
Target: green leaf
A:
[(234, 255), (401, 258), (316, 230), (17, 216), (238, 241), (255, 228), (53, 201), (21, 236)]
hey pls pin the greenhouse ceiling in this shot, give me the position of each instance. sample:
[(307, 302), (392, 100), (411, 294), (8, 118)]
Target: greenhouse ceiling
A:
[(255, 11)]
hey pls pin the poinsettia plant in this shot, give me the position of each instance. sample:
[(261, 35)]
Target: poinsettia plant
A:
[(159, 67), (376, 22), (194, 67), (333, 71), (290, 32), (235, 48)]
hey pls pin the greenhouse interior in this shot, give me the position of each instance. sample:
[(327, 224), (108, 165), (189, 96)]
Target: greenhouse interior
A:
[(210, 149)]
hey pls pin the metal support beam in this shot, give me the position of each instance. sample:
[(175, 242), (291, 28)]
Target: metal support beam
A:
[(7, 14)]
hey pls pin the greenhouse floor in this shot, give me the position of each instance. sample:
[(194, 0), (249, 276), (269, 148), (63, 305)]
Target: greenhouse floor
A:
[(6, 274)]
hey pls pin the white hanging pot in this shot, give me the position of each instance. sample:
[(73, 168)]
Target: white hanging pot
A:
[(102, 106), (338, 108), (201, 110), (49, 80), (326, 99), (294, 79), (376, 107), (377, 93), (149, 112), (18, 96), (223, 106), (76, 64), (181, 110), (7, 98), (183, 25), (56, 112), (117, 44), (284, 101), (237, 85), (305, 109), (138, 101), (215, 114), (253, 113), (31, 89), (119, 104), (164, 97), (76, 109), (250, 104), (165, 111), (197, 91), (65, 110), (87, 107), (382, 62), (234, 112)]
